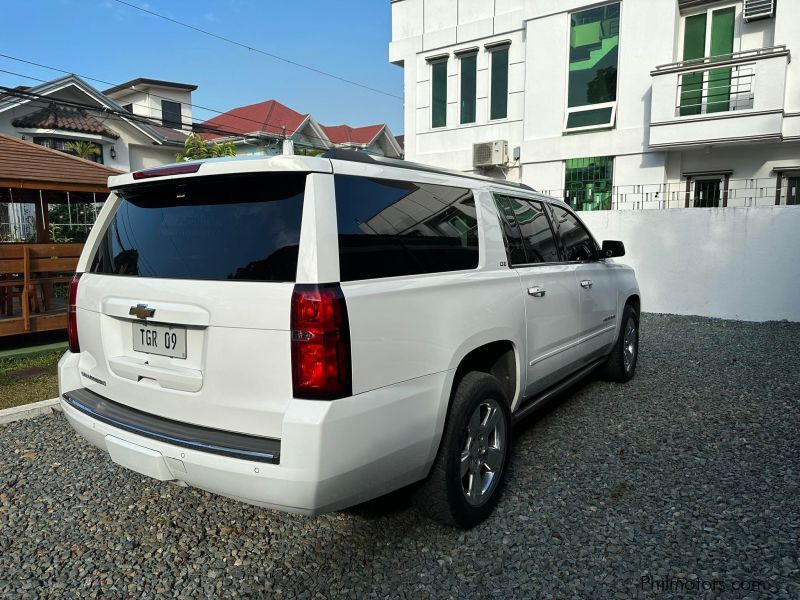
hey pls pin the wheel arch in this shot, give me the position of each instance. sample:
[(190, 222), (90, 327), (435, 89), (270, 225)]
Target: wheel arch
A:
[(500, 356)]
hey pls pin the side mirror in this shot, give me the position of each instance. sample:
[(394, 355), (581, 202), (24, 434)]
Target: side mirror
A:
[(612, 248)]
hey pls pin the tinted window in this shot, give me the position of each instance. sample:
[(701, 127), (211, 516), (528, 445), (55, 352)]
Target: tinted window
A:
[(390, 228), (439, 94), (540, 245), (530, 239), (245, 228), (170, 113), (499, 84), (511, 231), (576, 242)]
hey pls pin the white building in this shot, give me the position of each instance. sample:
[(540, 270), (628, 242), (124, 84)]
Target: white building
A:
[(625, 104)]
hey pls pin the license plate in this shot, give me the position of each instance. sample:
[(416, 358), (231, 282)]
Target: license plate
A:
[(165, 340)]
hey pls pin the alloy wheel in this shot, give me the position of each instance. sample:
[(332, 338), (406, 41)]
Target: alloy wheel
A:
[(483, 452), (629, 344)]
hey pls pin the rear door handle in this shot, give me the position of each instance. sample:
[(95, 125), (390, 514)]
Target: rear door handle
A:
[(536, 292), (586, 284)]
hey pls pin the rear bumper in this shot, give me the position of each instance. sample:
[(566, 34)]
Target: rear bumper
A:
[(205, 439), (332, 454)]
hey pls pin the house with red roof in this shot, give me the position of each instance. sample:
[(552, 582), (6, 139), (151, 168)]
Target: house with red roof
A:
[(137, 124), (261, 129), (374, 139)]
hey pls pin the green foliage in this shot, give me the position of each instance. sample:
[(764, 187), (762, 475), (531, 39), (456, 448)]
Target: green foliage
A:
[(83, 149), (308, 151), (196, 148)]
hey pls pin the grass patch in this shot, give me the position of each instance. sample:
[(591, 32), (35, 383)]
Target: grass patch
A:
[(26, 379)]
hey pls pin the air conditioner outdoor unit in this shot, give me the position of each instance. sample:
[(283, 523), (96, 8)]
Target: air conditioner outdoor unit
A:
[(490, 154), (758, 9)]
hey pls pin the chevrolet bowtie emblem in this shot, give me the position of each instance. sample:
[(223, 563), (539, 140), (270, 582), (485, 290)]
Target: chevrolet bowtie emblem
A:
[(140, 311)]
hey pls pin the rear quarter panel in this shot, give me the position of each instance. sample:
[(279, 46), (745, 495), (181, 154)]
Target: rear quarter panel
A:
[(407, 327)]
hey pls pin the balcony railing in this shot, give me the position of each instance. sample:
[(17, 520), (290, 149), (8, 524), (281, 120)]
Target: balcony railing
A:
[(715, 90), (692, 100)]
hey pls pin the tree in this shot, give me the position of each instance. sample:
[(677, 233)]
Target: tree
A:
[(83, 149), (195, 148)]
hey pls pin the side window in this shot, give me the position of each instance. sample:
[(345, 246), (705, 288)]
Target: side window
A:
[(511, 231), (576, 242), (540, 245), (529, 238), (390, 228)]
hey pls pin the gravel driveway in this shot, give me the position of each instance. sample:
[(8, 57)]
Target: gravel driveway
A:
[(688, 476)]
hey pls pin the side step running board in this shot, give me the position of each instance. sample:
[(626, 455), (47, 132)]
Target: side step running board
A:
[(535, 402)]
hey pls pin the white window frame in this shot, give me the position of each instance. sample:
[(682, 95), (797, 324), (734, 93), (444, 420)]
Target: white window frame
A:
[(737, 43), (578, 109), (570, 110), (709, 10)]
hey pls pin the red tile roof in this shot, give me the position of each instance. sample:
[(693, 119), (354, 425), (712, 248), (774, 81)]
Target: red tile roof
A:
[(344, 134), (63, 118), (268, 117), (28, 165)]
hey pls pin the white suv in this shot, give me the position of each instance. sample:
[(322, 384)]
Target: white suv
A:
[(308, 333)]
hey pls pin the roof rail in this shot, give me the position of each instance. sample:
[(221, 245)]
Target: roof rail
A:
[(363, 157)]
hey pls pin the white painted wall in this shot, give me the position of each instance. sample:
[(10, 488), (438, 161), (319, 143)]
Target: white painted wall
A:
[(146, 101), (730, 263)]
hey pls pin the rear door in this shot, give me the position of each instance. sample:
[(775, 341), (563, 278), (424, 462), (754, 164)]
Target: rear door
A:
[(552, 301), (183, 311), (598, 292)]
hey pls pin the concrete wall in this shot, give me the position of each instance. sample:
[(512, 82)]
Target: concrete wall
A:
[(733, 263)]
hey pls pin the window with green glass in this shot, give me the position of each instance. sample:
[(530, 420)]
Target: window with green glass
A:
[(704, 35), (588, 181), (593, 56), (499, 84), (439, 93), (719, 80), (469, 76), (589, 118)]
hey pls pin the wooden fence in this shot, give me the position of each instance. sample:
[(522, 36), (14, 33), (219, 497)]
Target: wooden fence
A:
[(32, 286)]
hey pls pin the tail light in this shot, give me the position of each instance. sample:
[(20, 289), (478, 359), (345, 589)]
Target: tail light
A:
[(72, 317), (320, 342)]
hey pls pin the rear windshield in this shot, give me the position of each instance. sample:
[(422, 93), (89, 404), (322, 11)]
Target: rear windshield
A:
[(212, 228), (390, 228)]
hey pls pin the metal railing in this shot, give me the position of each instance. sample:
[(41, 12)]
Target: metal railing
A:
[(759, 192), (721, 59), (716, 90)]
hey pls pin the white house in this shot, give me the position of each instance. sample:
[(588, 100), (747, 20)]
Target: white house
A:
[(69, 109), (621, 104)]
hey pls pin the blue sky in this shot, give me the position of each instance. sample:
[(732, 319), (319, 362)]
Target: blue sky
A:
[(109, 41)]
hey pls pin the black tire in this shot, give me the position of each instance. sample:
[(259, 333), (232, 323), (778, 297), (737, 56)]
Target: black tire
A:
[(617, 368), (442, 496)]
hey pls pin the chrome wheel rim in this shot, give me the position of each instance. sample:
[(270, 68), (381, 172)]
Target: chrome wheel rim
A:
[(483, 451), (629, 343)]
